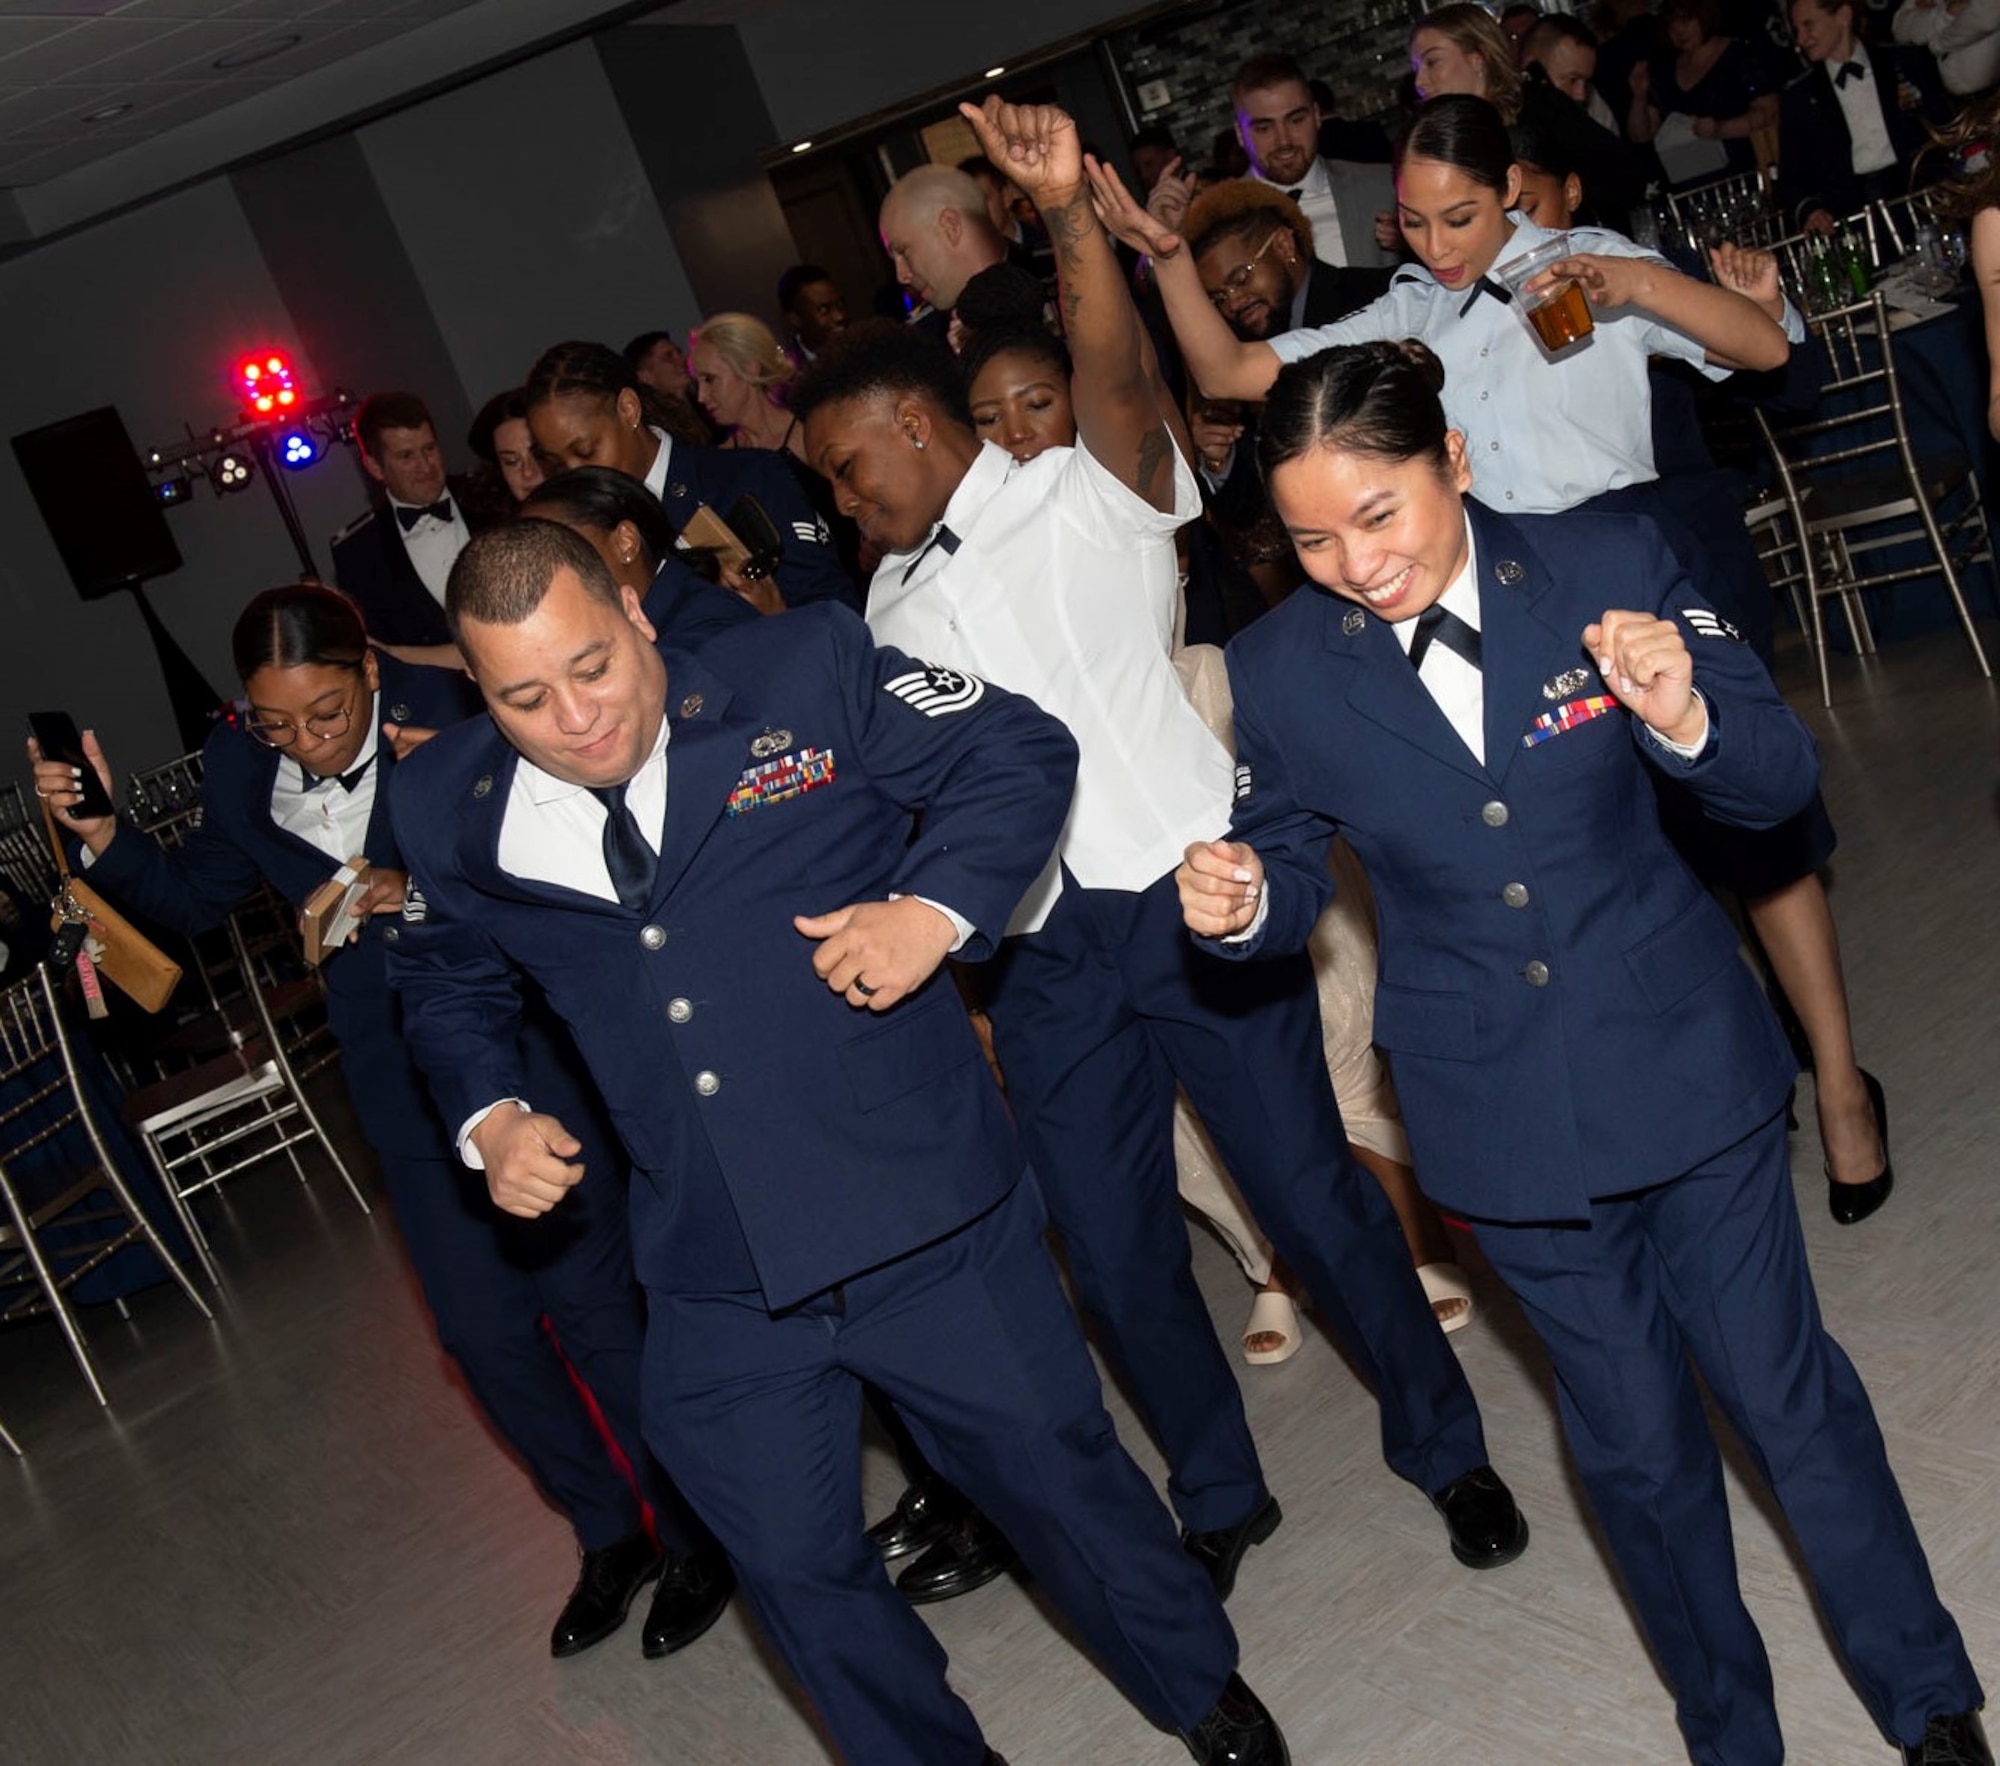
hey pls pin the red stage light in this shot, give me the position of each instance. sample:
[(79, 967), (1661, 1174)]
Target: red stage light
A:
[(266, 382)]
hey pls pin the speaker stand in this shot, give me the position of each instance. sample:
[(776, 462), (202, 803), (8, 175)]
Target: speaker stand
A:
[(196, 704)]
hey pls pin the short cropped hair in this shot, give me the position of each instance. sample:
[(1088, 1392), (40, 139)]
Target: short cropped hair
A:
[(880, 356), (502, 576), (1261, 72), (644, 345), (796, 280), (389, 410)]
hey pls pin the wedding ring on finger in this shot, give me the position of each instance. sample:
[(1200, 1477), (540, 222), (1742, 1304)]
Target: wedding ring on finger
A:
[(861, 987)]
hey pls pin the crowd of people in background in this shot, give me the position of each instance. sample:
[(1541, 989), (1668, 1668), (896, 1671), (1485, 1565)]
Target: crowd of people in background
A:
[(1286, 401)]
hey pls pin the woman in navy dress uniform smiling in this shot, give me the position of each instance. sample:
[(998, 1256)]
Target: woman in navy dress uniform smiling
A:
[(1588, 1072)]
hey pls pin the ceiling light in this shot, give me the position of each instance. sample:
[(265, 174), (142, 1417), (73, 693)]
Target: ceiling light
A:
[(104, 113), (800, 146), (993, 73), (252, 53)]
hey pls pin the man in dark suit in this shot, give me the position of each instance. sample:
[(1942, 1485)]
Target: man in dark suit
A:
[(1853, 122), (801, 1224), (392, 561), (1279, 124)]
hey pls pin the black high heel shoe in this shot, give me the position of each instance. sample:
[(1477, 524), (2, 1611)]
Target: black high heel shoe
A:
[(1851, 1203)]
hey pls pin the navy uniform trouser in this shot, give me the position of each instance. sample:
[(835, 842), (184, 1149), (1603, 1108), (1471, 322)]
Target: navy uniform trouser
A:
[(1709, 1272), (1094, 1017), (489, 1279), (759, 1420)]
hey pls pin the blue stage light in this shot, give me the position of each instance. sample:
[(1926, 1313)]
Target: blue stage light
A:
[(297, 450)]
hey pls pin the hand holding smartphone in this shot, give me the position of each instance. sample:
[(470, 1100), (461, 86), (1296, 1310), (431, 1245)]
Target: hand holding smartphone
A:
[(59, 739)]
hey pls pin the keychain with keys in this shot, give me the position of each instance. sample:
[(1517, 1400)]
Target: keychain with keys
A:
[(72, 943)]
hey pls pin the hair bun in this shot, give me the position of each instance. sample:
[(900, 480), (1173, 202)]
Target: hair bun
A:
[(1421, 360)]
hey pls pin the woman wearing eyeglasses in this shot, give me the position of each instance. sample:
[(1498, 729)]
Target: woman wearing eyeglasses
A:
[(289, 794)]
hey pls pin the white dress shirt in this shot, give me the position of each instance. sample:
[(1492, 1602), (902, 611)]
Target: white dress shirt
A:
[(433, 545), (656, 474), (1456, 685), (1861, 105), (1315, 198), (1542, 433), (553, 832), (321, 811), (1062, 588)]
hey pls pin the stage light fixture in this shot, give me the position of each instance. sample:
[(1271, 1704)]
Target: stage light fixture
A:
[(266, 381), (172, 492), (232, 471), (297, 450)]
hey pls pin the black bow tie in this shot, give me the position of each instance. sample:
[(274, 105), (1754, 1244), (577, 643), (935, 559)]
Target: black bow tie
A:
[(1438, 624), (438, 511), (943, 537), (1294, 195), (346, 781), (1486, 285), (1850, 70)]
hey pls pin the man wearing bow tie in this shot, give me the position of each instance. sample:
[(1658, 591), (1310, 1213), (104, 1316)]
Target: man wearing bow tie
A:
[(1852, 123), (392, 563), (1279, 125)]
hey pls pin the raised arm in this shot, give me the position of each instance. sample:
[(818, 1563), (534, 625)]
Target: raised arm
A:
[(1731, 329), (1117, 413), (1218, 362)]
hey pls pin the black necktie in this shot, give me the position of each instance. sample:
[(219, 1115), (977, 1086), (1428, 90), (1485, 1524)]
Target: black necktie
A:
[(346, 781), (440, 510), (943, 537), (631, 862), (1294, 195), (1850, 70), (1438, 622), (1486, 285)]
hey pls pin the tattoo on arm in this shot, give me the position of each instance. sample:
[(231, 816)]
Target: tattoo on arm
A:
[(1156, 452), (1069, 226)]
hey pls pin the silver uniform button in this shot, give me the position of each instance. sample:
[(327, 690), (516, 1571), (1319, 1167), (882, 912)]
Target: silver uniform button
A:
[(652, 937), (1494, 814), (389, 935), (707, 1083), (679, 1010), (1536, 973), (1515, 895)]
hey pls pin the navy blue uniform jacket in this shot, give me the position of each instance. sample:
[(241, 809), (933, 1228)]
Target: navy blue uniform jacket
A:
[(194, 887), (841, 1138), (1599, 1033), (809, 569)]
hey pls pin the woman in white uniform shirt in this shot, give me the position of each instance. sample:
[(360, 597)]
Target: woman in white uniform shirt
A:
[(1547, 433)]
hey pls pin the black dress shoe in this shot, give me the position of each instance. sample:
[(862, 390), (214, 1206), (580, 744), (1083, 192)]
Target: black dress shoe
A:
[(970, 1555), (1951, 1741), (1238, 1732), (923, 1514), (1221, 1552), (694, 1588), (1852, 1202), (606, 1586), (1486, 1529)]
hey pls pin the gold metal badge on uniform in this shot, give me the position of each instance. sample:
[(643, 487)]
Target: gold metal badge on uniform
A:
[(770, 743), (937, 692), (482, 785), (1709, 624), (789, 775), (691, 705), (1507, 571), (1571, 680), (1354, 622)]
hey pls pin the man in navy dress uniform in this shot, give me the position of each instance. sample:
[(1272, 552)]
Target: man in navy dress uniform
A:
[(714, 870)]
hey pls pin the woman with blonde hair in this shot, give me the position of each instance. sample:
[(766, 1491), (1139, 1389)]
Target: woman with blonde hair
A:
[(1460, 48), (741, 378)]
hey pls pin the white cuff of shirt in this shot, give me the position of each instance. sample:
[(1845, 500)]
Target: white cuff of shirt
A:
[(959, 923), (1688, 750), (466, 1150), (1257, 920)]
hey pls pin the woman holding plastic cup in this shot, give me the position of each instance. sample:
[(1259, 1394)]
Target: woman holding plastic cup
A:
[(1545, 429)]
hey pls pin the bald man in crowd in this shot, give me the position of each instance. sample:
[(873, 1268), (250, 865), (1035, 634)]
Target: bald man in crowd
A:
[(935, 227)]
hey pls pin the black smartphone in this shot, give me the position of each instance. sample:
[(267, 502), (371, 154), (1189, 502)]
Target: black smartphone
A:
[(59, 739)]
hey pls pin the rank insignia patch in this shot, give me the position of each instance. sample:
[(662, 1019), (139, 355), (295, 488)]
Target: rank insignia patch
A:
[(937, 692)]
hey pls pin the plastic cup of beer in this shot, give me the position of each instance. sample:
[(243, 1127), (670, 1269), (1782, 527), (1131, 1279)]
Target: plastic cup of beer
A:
[(1559, 313)]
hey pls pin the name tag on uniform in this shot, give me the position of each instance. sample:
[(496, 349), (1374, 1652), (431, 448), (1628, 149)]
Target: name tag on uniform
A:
[(1566, 718), (789, 775)]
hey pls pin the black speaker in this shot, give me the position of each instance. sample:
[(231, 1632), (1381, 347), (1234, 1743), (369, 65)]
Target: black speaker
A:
[(100, 507)]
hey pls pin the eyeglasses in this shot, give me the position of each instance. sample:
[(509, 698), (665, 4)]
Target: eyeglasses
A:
[(322, 726), (1238, 279)]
